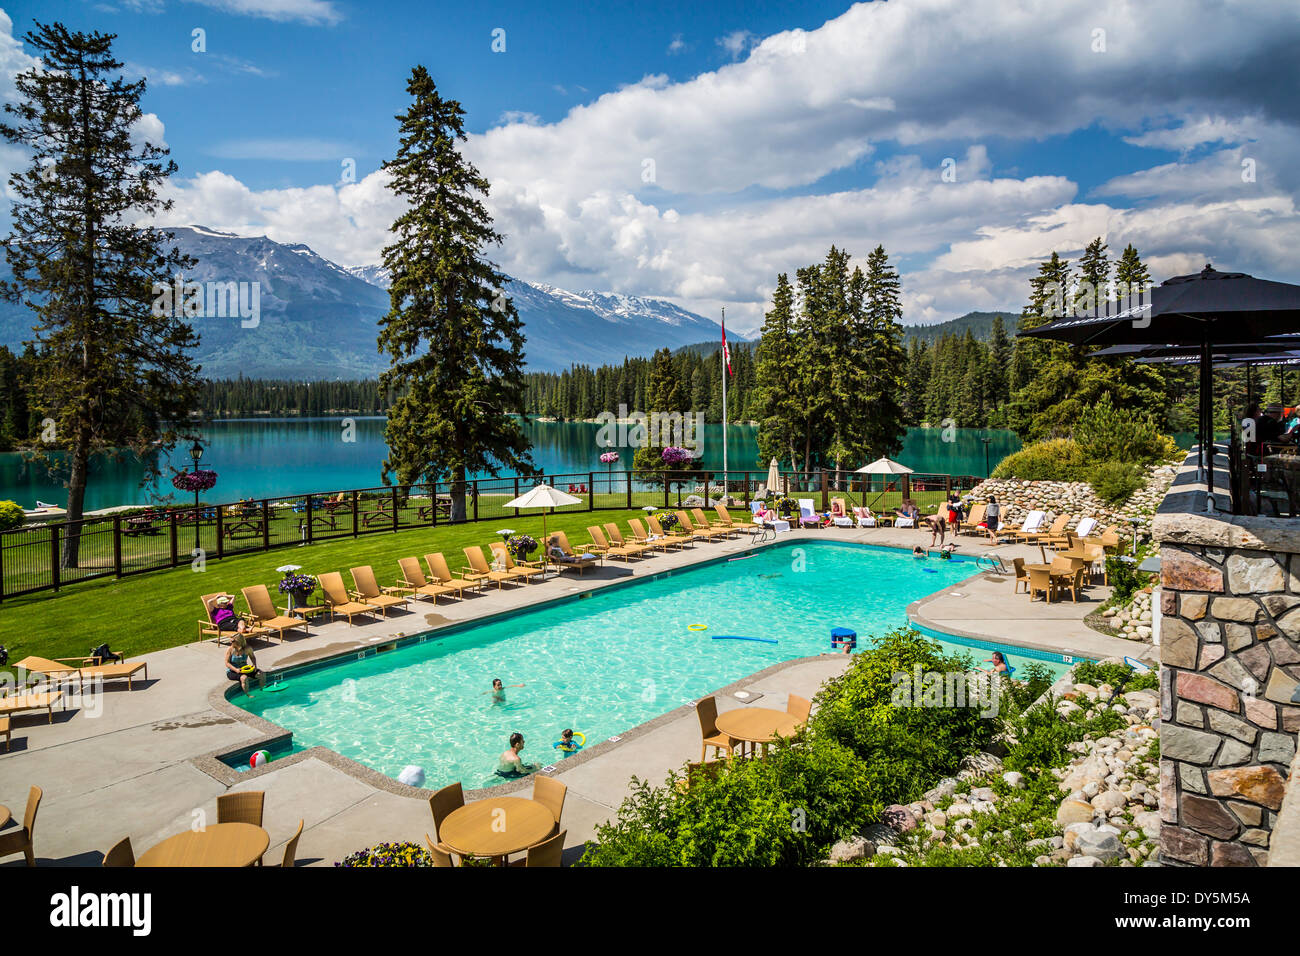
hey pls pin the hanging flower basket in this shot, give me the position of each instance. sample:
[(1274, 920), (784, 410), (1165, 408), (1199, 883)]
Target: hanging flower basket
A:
[(609, 457), (673, 455), (193, 481)]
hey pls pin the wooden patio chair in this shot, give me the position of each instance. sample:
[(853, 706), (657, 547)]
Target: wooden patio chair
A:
[(441, 574), (20, 839), (442, 802), (524, 571), (368, 591), (291, 848), (441, 854), (120, 854), (262, 612), (550, 852), (550, 793), (706, 709), (337, 598), (600, 545), (478, 569), (413, 581)]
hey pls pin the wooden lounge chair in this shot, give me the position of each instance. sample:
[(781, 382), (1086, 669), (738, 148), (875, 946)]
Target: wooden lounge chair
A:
[(337, 598), (706, 709), (600, 545), (704, 521), (478, 569), (569, 560), (369, 592), (839, 514), (20, 839), (725, 518), (681, 534), (262, 612), (441, 574), (661, 543), (524, 571), (209, 629), (1032, 524), (36, 700), (1049, 536), (971, 523), (636, 547), (414, 581), (82, 668), (703, 531), (864, 517)]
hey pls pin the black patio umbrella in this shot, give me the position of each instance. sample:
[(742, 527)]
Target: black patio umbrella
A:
[(1199, 310)]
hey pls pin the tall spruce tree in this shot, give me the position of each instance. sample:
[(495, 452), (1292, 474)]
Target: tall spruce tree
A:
[(878, 399), (110, 369), (776, 396), (454, 339)]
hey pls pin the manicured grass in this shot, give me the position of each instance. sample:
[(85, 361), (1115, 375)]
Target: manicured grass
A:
[(161, 609)]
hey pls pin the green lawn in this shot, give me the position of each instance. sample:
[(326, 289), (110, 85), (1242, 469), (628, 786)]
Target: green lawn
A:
[(160, 609)]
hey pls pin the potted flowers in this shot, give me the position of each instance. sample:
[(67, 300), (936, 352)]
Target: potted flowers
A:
[(194, 481), (297, 587), (521, 546)]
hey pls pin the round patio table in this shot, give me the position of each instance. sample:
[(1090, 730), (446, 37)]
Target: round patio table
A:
[(223, 844), (4, 814), (756, 725), (496, 827)]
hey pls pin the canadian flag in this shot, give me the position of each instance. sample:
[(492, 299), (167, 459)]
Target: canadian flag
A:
[(726, 352)]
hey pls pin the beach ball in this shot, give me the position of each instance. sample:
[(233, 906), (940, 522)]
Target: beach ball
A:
[(259, 758), (412, 776)]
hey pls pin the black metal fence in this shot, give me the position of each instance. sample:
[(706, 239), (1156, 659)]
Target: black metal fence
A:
[(50, 556)]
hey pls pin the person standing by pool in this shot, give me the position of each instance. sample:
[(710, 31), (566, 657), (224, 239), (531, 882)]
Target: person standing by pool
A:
[(937, 525), (238, 657), (498, 690), (509, 764), (992, 512)]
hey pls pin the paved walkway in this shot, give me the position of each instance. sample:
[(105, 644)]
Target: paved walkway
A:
[(128, 763)]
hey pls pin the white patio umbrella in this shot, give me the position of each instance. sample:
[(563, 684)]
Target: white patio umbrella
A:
[(882, 466), (773, 477), (543, 496)]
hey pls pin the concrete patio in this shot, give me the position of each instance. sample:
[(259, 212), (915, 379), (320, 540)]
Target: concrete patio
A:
[(131, 763)]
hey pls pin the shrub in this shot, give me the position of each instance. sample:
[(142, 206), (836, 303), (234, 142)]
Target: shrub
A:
[(786, 809), (905, 748), (1115, 481), (1117, 675), (1059, 459), (1107, 433), (11, 515), (1125, 579), (389, 854)]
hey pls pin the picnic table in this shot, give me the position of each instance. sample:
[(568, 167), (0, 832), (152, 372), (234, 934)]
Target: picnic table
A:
[(140, 524), (222, 844), (496, 827)]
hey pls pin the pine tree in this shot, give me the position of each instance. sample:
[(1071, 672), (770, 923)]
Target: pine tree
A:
[(776, 397), (880, 348), (111, 370), (453, 337)]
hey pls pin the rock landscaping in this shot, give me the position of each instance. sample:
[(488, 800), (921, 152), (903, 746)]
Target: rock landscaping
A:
[(1096, 804), (1077, 499), (1133, 620)]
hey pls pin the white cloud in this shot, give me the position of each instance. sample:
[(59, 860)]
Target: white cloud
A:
[(519, 116), (305, 11), (678, 45), (737, 42)]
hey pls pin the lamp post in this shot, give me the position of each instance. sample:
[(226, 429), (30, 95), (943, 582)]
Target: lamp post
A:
[(986, 440), (196, 452)]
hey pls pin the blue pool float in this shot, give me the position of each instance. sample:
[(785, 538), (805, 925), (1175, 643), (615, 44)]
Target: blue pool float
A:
[(736, 637)]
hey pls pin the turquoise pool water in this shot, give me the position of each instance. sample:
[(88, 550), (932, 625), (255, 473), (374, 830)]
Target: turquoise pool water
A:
[(600, 665)]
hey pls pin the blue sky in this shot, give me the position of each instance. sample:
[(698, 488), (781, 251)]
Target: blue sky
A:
[(771, 132)]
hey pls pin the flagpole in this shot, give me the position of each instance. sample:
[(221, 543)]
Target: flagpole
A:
[(724, 403)]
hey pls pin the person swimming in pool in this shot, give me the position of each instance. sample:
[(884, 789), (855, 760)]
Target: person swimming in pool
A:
[(509, 763), (919, 552), (567, 743), (999, 662), (498, 690)]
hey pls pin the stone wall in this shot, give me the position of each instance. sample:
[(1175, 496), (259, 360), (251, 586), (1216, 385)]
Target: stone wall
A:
[(1230, 648)]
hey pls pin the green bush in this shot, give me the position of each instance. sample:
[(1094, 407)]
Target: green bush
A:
[(11, 515), (1116, 481), (1108, 434), (1095, 673), (905, 748), (786, 809), (1125, 579), (1058, 459)]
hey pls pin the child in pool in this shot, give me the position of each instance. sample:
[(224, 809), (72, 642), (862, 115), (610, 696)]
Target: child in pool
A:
[(918, 552), (567, 743), (498, 690)]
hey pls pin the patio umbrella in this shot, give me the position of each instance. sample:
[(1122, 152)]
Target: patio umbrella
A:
[(882, 466), (773, 476), (1201, 310), (543, 496)]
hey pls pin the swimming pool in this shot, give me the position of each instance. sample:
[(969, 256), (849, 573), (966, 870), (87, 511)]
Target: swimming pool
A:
[(600, 664)]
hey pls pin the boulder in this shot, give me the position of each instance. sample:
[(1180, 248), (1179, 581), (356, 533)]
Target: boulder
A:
[(851, 849)]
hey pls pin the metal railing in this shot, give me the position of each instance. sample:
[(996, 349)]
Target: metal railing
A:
[(51, 556)]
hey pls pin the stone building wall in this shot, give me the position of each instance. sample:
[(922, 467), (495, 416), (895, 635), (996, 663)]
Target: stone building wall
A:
[(1230, 653)]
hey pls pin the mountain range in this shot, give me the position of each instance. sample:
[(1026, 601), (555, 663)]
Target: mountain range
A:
[(319, 320)]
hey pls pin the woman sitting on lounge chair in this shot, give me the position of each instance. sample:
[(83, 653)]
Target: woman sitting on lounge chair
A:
[(224, 616)]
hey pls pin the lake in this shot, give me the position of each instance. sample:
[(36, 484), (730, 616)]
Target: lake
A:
[(271, 457)]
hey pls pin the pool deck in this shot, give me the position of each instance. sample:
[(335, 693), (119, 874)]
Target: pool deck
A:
[(132, 763)]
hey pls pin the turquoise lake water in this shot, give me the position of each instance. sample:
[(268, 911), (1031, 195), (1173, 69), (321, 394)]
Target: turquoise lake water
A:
[(270, 457), (603, 664)]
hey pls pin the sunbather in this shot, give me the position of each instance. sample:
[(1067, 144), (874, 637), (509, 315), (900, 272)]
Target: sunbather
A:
[(224, 616)]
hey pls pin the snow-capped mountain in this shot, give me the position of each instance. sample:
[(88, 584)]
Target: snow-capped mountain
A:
[(319, 320)]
